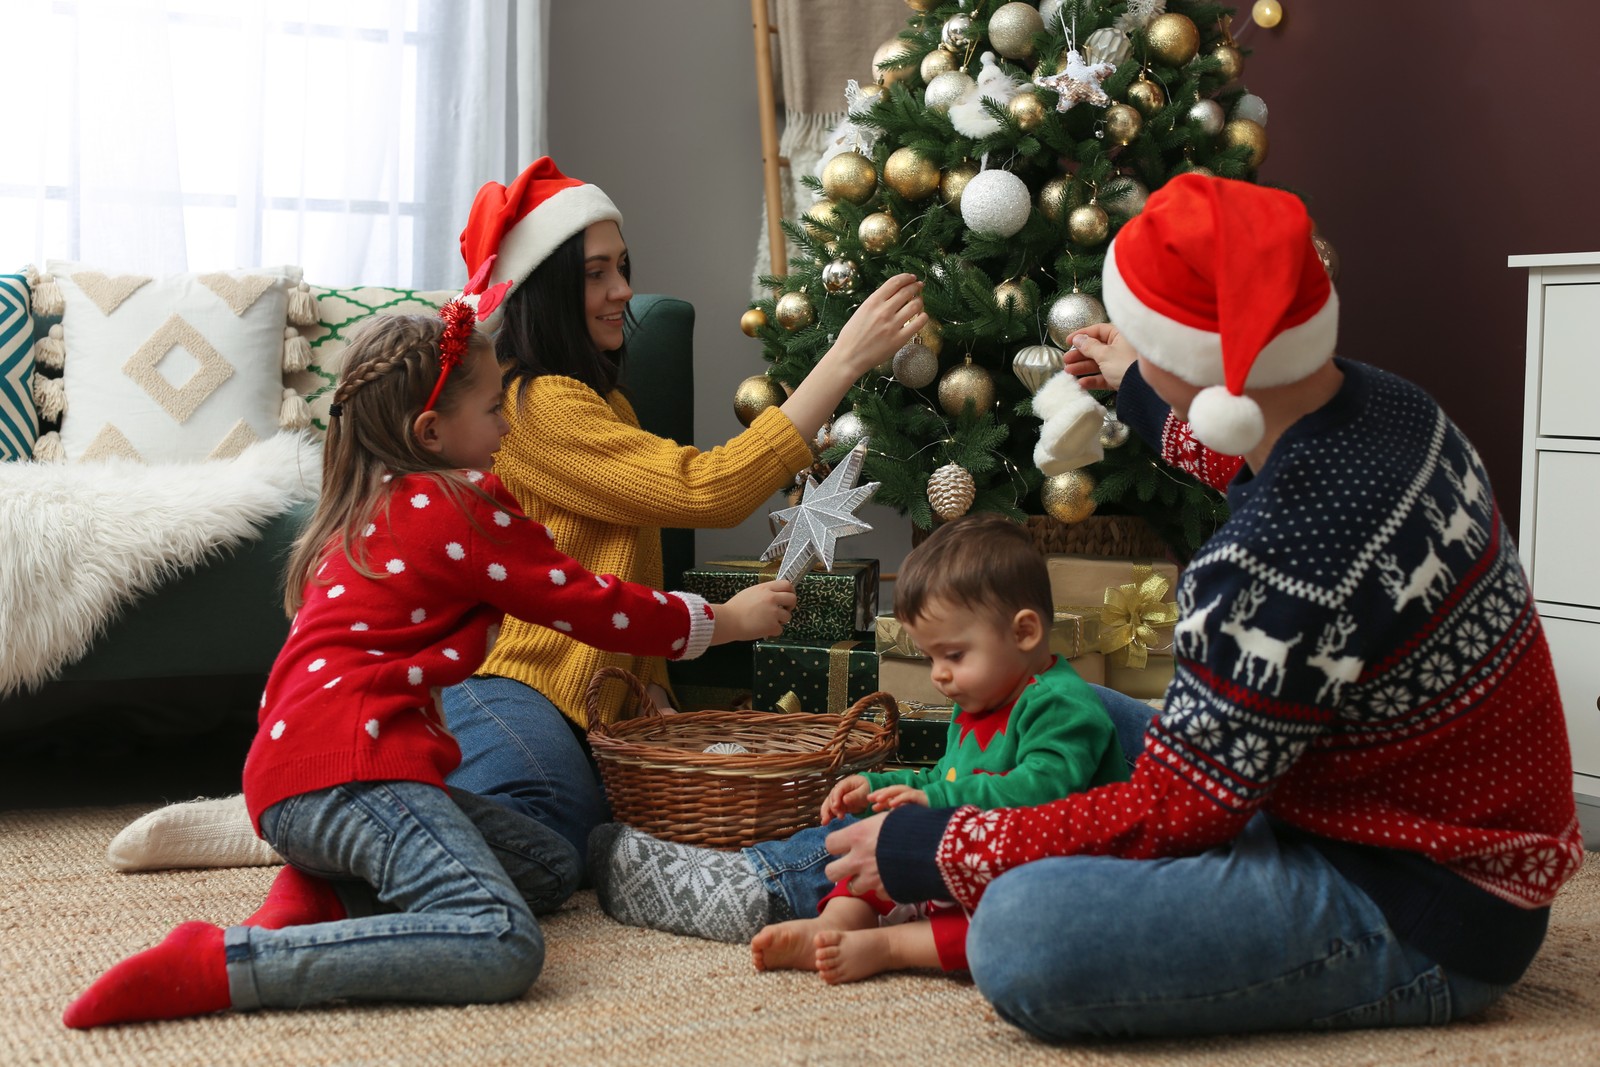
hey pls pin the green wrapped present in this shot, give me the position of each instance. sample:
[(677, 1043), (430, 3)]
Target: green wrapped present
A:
[(924, 732), (830, 606), (816, 679), (720, 679)]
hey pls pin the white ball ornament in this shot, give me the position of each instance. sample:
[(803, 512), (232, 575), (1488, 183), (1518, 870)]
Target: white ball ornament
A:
[(946, 89), (995, 203), (1252, 107), (848, 430), (1070, 313), (1208, 115)]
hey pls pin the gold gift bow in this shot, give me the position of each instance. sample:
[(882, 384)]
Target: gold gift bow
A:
[(838, 681), (1133, 614), (890, 636)]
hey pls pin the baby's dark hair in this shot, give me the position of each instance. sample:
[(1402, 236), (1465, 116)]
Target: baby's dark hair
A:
[(390, 369), (979, 561)]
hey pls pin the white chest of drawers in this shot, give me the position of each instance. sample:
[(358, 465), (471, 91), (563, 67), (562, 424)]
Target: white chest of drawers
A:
[(1561, 492)]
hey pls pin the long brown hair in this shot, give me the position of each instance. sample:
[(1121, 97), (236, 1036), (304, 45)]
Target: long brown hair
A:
[(390, 368)]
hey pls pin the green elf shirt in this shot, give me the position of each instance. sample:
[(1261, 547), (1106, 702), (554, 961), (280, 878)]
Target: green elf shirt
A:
[(1054, 739)]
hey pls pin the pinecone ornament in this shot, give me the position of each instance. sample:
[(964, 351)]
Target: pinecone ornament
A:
[(950, 491)]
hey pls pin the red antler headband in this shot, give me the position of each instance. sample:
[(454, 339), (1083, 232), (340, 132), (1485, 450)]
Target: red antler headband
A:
[(460, 319)]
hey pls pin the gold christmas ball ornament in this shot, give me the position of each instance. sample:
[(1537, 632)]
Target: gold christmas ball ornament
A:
[(1088, 224), (1147, 96), (823, 221), (1011, 292), (1251, 135), (951, 491), (1068, 497), (1173, 38), (1327, 254), (1207, 114), (1053, 197), (1011, 30), (1266, 13), (839, 276), (1230, 61), (892, 51), (932, 335), (1035, 365), (963, 382), (794, 311), (956, 34), (911, 174), (1028, 110), (937, 62), (922, 6), (915, 366), (849, 176), (954, 183), (878, 232), (1124, 195), (1070, 313), (756, 394), (1123, 123), (946, 90), (751, 322)]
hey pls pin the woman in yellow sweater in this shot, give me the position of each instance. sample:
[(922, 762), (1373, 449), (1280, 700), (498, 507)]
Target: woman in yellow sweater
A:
[(547, 258)]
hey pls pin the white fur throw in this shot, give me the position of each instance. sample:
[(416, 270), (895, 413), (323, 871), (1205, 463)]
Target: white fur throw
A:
[(79, 542)]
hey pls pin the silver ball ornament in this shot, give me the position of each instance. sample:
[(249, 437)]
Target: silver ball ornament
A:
[(1035, 365), (1208, 115), (995, 203), (1070, 313), (915, 366), (1124, 196), (1114, 433), (956, 34), (848, 430), (947, 89), (839, 276), (1252, 107)]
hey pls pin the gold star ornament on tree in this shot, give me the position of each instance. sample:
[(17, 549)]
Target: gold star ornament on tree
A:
[(826, 512)]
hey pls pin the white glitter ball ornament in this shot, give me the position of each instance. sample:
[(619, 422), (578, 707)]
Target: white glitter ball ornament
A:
[(1252, 107), (995, 203)]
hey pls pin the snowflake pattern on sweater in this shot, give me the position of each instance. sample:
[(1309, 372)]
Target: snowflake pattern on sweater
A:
[(1358, 654), (354, 694)]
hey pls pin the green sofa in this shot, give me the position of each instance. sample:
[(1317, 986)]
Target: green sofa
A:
[(201, 644)]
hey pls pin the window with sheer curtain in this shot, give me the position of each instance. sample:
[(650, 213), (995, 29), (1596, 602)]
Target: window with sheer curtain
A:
[(343, 136)]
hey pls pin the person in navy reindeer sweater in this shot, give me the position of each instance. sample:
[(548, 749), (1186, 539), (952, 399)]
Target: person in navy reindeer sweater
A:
[(1356, 806)]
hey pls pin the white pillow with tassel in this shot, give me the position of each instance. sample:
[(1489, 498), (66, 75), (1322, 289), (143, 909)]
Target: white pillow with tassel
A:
[(180, 368)]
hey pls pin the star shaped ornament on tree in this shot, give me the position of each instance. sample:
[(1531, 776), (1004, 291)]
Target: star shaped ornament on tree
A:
[(826, 512)]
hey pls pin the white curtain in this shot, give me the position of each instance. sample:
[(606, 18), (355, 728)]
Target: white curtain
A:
[(346, 137)]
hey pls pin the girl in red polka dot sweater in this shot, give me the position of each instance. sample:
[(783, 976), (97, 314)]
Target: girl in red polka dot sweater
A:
[(398, 888)]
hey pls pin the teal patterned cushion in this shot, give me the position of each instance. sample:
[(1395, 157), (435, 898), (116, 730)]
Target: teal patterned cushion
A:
[(19, 422)]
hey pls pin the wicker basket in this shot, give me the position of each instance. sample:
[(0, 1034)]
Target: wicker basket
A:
[(661, 780)]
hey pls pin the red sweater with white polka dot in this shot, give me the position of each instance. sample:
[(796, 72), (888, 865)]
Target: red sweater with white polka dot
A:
[(1358, 656), (353, 696)]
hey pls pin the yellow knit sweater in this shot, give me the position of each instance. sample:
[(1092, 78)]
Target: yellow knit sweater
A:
[(580, 464)]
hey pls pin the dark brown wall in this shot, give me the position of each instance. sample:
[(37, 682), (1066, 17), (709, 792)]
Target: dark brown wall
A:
[(1432, 140)]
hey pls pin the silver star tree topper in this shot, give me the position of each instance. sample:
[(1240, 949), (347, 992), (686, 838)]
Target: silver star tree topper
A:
[(826, 512)]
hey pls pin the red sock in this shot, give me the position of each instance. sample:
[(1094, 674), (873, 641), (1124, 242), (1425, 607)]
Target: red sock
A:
[(186, 974), (297, 899)]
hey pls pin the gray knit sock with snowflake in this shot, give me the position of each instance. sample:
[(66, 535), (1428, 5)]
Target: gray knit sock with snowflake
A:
[(701, 892)]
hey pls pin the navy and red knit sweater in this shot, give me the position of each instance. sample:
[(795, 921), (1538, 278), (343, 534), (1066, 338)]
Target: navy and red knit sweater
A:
[(1359, 657), (353, 696)]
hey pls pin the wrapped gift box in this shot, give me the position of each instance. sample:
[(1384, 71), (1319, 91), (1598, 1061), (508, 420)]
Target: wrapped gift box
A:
[(816, 679), (1129, 602), (836, 605), (924, 729), (1071, 635), (1147, 683), (720, 679), (911, 680)]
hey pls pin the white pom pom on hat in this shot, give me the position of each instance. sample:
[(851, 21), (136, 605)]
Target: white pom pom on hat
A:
[(1217, 282)]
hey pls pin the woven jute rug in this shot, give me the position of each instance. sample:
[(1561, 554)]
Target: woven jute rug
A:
[(614, 995)]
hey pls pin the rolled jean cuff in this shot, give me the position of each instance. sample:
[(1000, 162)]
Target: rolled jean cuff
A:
[(240, 961)]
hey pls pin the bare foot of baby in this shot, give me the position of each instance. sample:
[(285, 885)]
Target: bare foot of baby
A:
[(787, 945), (850, 955)]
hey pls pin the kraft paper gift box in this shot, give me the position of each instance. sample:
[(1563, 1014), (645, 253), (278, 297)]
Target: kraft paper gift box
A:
[(817, 679), (836, 605), (911, 680), (1133, 617), (1071, 635)]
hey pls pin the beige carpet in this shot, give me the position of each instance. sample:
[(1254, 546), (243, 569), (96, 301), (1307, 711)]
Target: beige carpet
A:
[(611, 995)]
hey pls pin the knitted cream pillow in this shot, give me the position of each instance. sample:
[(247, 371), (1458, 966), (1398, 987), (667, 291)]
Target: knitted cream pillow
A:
[(180, 368), (339, 312)]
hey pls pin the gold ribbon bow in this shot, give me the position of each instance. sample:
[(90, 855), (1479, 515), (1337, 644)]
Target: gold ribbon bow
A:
[(892, 639), (1134, 613)]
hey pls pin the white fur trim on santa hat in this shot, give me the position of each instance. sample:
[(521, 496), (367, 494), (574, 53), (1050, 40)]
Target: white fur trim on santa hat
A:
[(1224, 422), (542, 230), (1070, 436), (1195, 355)]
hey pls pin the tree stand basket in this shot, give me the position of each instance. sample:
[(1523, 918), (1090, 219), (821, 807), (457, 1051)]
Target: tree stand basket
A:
[(660, 778)]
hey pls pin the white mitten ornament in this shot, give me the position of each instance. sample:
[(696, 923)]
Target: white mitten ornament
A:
[(1070, 436)]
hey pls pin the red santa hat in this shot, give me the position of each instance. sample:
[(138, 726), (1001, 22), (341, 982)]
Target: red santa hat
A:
[(1217, 281), (514, 228)]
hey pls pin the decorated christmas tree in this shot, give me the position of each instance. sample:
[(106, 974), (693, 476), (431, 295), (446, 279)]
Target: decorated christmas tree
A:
[(1000, 149)]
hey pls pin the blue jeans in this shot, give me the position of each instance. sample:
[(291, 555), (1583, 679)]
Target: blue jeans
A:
[(460, 932), (1258, 934), (519, 751)]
